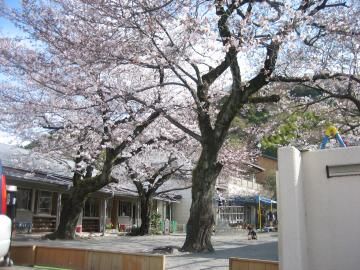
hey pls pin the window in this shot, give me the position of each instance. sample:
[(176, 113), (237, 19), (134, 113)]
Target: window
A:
[(23, 198), (231, 214), (44, 203), (125, 209), (91, 208)]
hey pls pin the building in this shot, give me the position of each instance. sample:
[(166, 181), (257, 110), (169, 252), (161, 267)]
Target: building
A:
[(42, 185), (269, 164), (236, 202)]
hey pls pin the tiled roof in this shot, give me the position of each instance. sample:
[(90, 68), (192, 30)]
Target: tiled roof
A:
[(37, 177), (23, 159), (38, 168)]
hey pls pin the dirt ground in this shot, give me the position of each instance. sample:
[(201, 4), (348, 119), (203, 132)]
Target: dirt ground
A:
[(233, 244)]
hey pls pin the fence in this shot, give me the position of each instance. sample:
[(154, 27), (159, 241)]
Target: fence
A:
[(248, 264), (73, 258)]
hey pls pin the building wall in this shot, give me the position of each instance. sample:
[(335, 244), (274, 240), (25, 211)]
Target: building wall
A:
[(181, 210), (319, 217), (93, 223), (269, 164), (28, 214)]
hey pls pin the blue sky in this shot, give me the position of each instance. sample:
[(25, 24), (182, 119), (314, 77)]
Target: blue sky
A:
[(6, 27)]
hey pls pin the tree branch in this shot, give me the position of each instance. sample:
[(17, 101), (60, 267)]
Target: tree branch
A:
[(183, 128), (316, 77), (266, 99), (161, 169), (240, 94), (164, 178), (136, 132), (52, 127), (213, 74), (173, 189)]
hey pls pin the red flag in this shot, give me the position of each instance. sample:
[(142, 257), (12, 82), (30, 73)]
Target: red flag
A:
[(2, 192)]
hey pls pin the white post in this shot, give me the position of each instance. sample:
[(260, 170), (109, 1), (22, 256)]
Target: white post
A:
[(170, 206), (291, 214), (103, 216), (33, 195), (138, 213), (58, 210), (132, 214)]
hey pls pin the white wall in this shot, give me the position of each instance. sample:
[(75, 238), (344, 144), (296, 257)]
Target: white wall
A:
[(181, 211), (319, 217), (292, 240)]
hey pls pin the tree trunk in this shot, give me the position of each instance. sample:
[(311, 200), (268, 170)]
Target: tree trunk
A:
[(115, 214), (200, 224), (69, 216), (146, 204)]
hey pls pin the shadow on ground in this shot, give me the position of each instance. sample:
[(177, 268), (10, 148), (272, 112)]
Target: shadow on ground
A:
[(219, 259), (264, 251)]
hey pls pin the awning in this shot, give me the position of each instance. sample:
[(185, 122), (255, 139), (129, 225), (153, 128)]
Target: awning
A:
[(241, 200), (265, 200)]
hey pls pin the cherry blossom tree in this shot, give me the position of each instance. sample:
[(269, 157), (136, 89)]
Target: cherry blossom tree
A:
[(82, 102), (186, 42), (208, 60), (75, 107), (159, 167), (337, 97), (94, 133), (330, 63)]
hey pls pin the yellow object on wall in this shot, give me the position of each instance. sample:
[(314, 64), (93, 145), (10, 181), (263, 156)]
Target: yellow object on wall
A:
[(331, 131)]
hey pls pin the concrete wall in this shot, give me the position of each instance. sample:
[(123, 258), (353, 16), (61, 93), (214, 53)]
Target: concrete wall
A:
[(319, 216)]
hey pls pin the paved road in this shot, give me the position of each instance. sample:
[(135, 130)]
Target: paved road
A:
[(226, 245)]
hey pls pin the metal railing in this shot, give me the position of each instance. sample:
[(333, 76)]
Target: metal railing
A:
[(248, 183)]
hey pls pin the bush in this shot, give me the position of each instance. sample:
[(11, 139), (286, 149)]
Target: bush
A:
[(155, 223)]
